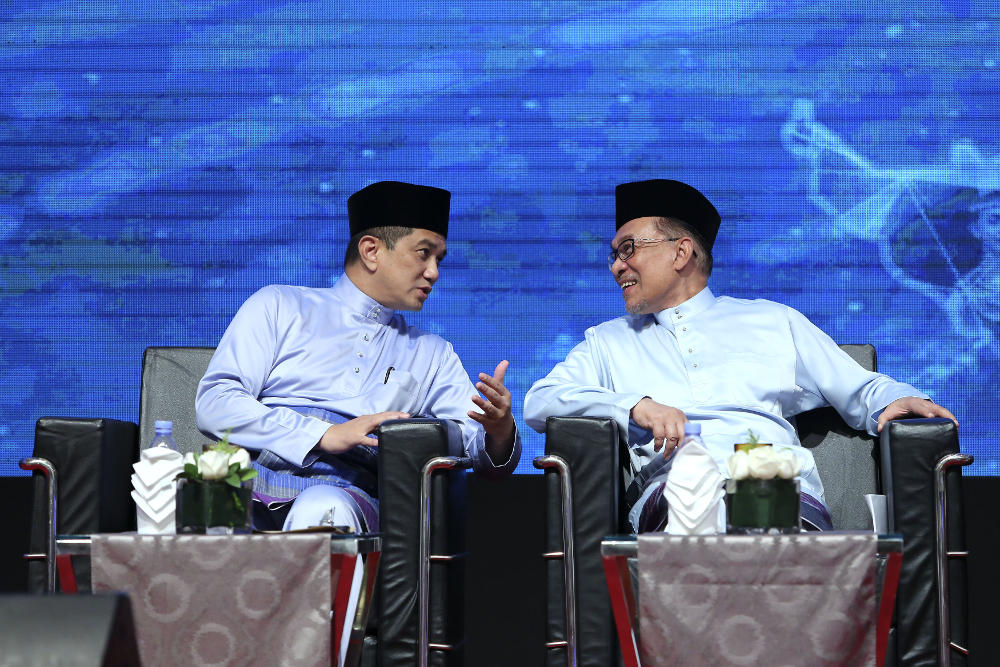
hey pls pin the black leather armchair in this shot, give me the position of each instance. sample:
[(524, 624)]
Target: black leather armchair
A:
[(902, 463), (421, 474)]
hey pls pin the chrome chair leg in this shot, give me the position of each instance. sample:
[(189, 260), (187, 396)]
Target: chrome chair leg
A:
[(49, 556), (424, 646), (945, 645), (569, 561)]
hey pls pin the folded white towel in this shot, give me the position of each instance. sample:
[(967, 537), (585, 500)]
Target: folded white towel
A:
[(152, 471), (154, 490), (693, 493), (165, 526)]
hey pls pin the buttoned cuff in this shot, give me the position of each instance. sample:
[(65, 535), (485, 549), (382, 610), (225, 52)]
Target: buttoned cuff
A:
[(305, 453), (515, 452), (483, 465), (621, 410)]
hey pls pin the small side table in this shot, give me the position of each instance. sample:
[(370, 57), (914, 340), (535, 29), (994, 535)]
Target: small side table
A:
[(617, 550), (345, 549)]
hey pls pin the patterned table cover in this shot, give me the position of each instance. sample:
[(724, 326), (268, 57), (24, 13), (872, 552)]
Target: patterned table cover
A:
[(220, 601), (778, 600)]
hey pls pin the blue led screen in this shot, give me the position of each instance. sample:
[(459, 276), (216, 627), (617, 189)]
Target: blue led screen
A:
[(161, 161)]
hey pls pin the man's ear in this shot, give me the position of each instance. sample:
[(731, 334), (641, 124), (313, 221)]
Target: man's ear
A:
[(368, 249), (685, 253)]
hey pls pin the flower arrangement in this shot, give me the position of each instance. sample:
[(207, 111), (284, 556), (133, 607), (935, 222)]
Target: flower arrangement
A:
[(762, 461), (212, 494), (219, 462), (762, 494)]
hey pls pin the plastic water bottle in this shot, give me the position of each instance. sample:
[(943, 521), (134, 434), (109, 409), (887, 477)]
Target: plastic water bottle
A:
[(692, 433), (164, 436)]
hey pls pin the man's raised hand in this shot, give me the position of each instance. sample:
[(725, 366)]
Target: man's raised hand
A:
[(341, 437), (666, 423), (496, 416), (911, 406)]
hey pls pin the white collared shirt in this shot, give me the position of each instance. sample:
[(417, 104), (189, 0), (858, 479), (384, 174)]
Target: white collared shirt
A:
[(730, 364)]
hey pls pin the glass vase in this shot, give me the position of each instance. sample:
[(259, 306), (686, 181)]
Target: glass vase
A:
[(763, 506), (213, 508)]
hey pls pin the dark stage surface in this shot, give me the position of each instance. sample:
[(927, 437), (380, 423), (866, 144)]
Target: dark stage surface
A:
[(505, 601)]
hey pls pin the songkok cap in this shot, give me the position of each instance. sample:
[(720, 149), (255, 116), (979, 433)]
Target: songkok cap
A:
[(395, 204), (661, 198)]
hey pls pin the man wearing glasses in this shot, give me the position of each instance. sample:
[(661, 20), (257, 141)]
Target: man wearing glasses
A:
[(683, 354)]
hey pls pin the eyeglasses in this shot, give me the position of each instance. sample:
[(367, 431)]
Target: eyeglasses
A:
[(626, 248)]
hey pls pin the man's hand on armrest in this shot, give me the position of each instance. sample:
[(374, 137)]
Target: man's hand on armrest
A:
[(341, 437), (496, 416), (666, 423), (911, 406)]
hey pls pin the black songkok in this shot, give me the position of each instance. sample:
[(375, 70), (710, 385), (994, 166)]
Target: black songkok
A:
[(395, 204), (660, 198)]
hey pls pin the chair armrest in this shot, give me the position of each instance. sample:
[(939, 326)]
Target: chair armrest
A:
[(404, 447), (93, 458), (591, 448), (910, 450)]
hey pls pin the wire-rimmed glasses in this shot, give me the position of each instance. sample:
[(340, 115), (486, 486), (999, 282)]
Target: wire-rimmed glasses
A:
[(626, 248)]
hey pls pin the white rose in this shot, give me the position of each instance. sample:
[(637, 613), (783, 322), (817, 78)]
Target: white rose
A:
[(788, 464), (242, 457), (189, 458), (213, 464), (739, 465), (763, 462)]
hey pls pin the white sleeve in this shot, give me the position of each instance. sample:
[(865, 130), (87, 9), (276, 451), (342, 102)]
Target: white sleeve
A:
[(580, 386), (830, 377)]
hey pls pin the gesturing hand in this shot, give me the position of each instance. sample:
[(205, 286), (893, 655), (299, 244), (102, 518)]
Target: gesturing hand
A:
[(915, 407), (341, 437), (666, 423), (496, 416)]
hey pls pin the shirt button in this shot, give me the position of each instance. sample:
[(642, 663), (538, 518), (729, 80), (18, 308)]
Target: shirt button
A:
[(357, 370), (677, 311), (361, 354), (366, 336), (696, 365), (690, 350), (684, 329)]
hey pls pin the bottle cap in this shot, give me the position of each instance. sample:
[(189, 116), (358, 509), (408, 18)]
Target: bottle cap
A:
[(692, 428), (163, 426)]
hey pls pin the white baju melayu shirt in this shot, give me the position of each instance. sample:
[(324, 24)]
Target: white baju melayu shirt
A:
[(730, 364), (335, 349)]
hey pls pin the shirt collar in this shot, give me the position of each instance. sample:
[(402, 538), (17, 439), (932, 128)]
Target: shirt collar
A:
[(700, 302), (361, 303)]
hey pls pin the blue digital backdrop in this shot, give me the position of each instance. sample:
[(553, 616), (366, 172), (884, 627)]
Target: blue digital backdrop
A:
[(163, 160)]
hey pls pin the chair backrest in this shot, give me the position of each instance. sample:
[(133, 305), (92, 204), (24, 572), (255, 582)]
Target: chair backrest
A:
[(170, 377), (847, 460)]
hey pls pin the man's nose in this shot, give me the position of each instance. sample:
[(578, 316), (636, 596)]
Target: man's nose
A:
[(432, 272)]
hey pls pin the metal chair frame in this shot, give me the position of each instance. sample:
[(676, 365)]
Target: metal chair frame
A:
[(51, 488), (426, 558), (567, 554), (945, 644)]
